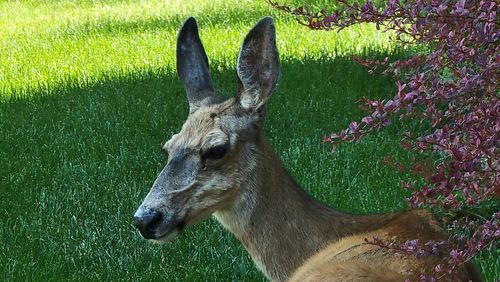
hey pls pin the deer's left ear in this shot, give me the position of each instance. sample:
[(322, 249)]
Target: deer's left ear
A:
[(258, 65)]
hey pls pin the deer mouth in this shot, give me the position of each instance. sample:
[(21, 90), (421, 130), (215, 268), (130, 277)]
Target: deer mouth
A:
[(168, 234)]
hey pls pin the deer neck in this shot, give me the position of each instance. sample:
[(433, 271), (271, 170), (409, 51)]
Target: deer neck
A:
[(279, 224)]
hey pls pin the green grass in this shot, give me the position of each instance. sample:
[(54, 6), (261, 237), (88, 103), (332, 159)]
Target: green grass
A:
[(88, 94)]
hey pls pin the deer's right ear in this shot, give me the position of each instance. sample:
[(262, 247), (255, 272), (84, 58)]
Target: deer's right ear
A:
[(258, 65), (192, 66)]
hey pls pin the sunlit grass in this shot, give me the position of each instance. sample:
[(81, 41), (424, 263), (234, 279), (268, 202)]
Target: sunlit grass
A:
[(53, 44), (89, 93)]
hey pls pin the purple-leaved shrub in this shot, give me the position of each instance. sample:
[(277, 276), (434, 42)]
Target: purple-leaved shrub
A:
[(451, 85)]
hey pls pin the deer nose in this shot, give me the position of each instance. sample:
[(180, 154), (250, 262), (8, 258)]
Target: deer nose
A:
[(147, 223)]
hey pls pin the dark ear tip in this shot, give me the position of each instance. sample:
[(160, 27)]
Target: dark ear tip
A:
[(190, 21), (267, 21), (189, 24), (264, 26)]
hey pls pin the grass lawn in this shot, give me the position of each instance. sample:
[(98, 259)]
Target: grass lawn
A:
[(89, 93)]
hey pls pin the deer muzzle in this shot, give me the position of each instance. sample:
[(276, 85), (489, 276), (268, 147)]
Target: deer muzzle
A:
[(156, 225)]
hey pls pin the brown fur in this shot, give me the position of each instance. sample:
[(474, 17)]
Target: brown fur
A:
[(359, 261), (288, 234)]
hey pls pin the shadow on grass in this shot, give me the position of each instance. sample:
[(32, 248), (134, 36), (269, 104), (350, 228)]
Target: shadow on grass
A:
[(77, 162), (69, 123)]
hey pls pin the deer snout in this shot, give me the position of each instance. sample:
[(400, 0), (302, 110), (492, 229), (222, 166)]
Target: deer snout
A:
[(147, 222)]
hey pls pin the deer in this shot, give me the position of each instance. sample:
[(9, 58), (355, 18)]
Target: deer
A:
[(220, 164)]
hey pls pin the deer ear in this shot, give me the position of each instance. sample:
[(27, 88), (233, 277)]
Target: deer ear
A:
[(258, 65), (192, 66)]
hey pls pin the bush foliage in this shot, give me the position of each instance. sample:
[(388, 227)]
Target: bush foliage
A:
[(450, 87)]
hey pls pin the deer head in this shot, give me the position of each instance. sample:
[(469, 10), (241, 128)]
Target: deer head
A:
[(209, 160)]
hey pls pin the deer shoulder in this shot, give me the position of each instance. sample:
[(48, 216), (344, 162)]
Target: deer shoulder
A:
[(353, 259)]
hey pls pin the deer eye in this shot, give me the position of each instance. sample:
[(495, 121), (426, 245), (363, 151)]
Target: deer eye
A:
[(216, 152)]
